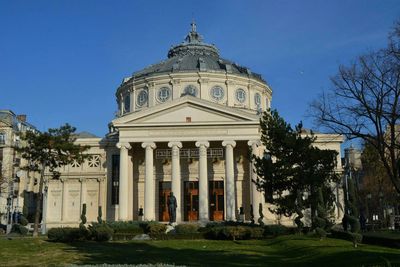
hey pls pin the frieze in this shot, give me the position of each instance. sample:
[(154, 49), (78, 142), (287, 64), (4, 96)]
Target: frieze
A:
[(187, 133)]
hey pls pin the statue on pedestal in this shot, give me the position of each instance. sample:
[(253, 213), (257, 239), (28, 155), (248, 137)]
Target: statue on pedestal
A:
[(172, 208)]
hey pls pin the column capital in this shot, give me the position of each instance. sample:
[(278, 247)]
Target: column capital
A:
[(82, 179), (175, 144), (151, 145), (202, 143), (100, 179), (63, 179), (121, 145), (229, 143)]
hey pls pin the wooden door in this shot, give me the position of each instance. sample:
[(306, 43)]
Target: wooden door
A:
[(216, 195), (164, 191), (191, 212)]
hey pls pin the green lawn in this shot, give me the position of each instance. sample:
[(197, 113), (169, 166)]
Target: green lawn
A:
[(282, 251)]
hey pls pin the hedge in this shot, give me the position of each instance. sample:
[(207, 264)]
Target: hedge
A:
[(67, 234), (382, 239), (353, 237)]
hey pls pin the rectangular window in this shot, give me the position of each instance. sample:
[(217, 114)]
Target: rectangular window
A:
[(115, 180)]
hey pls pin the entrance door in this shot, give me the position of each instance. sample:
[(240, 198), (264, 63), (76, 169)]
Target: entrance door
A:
[(216, 195), (191, 212), (164, 190)]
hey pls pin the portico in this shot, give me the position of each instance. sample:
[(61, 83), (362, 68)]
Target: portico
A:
[(200, 165)]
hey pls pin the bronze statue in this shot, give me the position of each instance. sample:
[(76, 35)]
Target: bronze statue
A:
[(172, 208)]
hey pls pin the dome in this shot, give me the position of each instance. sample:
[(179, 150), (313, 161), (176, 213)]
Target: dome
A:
[(195, 55)]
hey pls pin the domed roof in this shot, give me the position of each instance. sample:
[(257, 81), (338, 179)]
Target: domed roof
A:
[(195, 55)]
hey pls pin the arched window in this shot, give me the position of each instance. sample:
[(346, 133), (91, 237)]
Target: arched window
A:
[(127, 103), (257, 99), (2, 138)]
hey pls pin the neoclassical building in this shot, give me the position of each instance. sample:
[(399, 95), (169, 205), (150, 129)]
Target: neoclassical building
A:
[(188, 125)]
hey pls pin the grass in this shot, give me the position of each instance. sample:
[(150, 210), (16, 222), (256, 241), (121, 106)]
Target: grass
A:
[(281, 251)]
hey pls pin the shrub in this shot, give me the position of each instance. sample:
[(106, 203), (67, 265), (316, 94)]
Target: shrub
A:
[(154, 229), (23, 221), (68, 234), (256, 232), (320, 233), (100, 232), (356, 238), (276, 230), (188, 228), (130, 227), (235, 232), (19, 229)]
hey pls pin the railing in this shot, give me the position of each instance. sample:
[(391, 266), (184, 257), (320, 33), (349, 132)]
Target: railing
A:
[(189, 153)]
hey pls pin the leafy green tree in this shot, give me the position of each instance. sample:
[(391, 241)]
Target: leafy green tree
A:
[(48, 151), (292, 168)]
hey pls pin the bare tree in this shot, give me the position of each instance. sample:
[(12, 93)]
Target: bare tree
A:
[(364, 103)]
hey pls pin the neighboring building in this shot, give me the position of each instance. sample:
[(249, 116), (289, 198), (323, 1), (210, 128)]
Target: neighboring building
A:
[(187, 125), (15, 185)]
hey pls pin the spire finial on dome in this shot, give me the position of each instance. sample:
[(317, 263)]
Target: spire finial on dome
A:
[(193, 24), (193, 36)]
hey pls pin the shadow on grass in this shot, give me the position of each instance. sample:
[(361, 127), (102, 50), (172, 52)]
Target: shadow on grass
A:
[(291, 252)]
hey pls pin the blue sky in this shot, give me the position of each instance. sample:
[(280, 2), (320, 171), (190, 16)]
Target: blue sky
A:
[(61, 61)]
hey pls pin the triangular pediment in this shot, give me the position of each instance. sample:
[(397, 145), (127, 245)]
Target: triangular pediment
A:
[(187, 110)]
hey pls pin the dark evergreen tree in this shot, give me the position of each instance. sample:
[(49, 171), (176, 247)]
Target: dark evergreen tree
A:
[(83, 216), (351, 206), (292, 168)]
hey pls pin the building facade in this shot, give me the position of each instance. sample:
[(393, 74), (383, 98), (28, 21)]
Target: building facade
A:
[(16, 186), (189, 125)]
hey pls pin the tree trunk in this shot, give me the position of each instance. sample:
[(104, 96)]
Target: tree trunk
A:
[(38, 203)]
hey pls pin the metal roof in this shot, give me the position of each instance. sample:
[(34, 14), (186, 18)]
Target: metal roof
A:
[(195, 55)]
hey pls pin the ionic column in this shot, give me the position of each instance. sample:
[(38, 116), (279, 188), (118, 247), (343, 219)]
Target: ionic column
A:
[(64, 206), (149, 192), (230, 180), (176, 176), (255, 194), (123, 180), (203, 180)]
